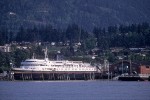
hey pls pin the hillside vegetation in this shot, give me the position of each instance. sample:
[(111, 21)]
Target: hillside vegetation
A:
[(61, 13)]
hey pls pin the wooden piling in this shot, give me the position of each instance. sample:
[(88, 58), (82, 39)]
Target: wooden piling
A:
[(56, 75), (22, 77), (74, 76)]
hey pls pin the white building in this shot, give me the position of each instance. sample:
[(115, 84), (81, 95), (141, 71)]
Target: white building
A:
[(5, 48)]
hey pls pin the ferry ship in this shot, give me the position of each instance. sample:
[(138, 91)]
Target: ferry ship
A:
[(58, 66), (45, 69)]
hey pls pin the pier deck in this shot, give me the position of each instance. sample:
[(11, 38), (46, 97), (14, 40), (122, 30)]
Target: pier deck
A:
[(55, 75)]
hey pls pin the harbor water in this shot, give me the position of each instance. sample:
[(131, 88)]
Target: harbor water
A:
[(74, 90)]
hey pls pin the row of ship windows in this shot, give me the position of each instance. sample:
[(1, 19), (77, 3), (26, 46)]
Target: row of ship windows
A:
[(33, 65), (66, 65), (62, 69), (71, 62), (66, 69), (51, 65)]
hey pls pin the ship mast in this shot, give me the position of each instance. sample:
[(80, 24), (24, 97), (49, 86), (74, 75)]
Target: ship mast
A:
[(46, 55), (33, 57)]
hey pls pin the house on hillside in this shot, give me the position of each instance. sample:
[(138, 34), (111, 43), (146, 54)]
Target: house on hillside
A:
[(5, 48)]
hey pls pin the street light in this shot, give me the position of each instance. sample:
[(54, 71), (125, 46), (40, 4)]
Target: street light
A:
[(93, 57)]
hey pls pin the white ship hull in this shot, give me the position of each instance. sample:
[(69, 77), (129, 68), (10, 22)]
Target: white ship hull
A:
[(31, 70)]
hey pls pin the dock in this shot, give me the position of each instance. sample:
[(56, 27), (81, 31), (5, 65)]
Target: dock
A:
[(54, 75), (140, 77)]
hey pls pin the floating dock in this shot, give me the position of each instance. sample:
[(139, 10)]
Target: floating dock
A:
[(134, 78)]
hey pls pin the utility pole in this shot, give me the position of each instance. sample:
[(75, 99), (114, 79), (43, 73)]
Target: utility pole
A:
[(108, 69), (122, 66), (121, 59), (130, 66)]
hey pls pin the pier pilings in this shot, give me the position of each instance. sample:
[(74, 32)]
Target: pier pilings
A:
[(23, 75)]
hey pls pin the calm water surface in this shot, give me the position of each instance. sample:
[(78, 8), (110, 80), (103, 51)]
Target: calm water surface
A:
[(74, 90)]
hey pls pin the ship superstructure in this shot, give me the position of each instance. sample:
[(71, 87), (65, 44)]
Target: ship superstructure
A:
[(57, 65)]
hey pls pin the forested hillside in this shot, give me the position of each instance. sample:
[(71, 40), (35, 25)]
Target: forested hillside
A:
[(127, 36), (61, 13)]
